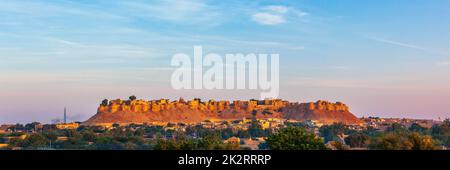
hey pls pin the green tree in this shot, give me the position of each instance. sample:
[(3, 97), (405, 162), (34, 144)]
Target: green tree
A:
[(32, 126), (50, 135), (227, 133), (357, 140), (422, 142), (106, 143), (71, 133), (188, 144), (74, 143), (139, 132), (255, 129), (295, 138), (211, 141), (15, 142), (105, 102), (243, 134), (331, 132), (404, 141), (396, 127), (371, 131), (164, 144), (417, 128), (88, 136), (441, 132), (35, 141), (132, 98), (130, 146)]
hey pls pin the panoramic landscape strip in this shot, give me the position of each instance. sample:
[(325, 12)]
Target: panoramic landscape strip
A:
[(270, 124)]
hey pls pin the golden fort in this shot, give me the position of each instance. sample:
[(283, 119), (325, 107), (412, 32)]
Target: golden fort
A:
[(212, 105)]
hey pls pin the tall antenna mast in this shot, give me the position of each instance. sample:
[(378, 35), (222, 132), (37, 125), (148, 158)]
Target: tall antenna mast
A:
[(65, 116)]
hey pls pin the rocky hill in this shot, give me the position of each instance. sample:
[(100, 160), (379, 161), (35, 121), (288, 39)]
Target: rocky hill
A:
[(321, 111), (195, 111)]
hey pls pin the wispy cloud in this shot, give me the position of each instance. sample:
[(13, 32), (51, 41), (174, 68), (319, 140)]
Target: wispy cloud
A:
[(276, 8), (276, 14), (80, 52), (398, 43), (43, 9), (180, 12), (268, 19), (62, 41), (408, 45)]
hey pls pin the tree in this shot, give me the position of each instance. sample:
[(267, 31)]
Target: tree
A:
[(371, 131), (164, 144), (105, 102), (35, 141), (188, 144), (422, 142), (139, 132), (132, 98), (404, 141), (396, 127), (243, 134), (255, 129), (32, 126), (296, 124), (332, 132), (50, 135), (227, 133), (71, 133), (357, 140), (254, 113), (417, 128), (337, 145), (106, 143), (211, 141), (74, 143), (441, 132), (17, 127), (295, 138), (130, 146), (88, 136), (15, 142)]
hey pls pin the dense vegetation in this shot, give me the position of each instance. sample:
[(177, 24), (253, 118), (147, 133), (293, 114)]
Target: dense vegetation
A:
[(135, 137), (395, 137), (296, 136)]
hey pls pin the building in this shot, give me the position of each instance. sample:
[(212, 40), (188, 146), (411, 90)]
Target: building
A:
[(252, 144), (67, 125), (62, 138), (233, 140), (3, 145), (5, 128), (9, 138)]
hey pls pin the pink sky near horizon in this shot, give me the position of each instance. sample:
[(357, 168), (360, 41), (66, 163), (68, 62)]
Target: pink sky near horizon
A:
[(27, 105)]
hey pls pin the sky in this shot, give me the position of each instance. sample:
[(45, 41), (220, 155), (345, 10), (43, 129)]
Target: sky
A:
[(382, 58)]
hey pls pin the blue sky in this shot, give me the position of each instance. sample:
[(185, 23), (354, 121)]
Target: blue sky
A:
[(384, 58)]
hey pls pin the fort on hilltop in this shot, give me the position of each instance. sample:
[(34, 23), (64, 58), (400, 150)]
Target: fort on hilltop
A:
[(196, 104), (194, 111)]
